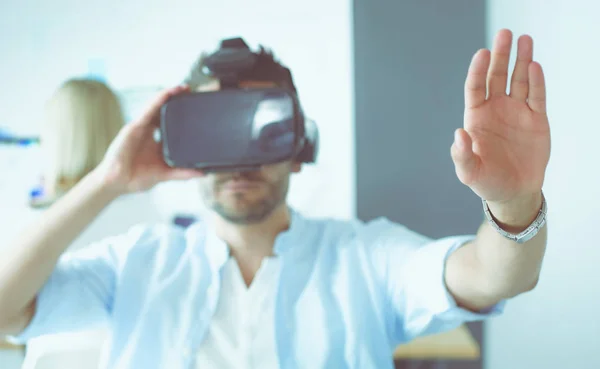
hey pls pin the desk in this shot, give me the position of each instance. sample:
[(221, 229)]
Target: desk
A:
[(4, 345), (11, 356), (456, 344)]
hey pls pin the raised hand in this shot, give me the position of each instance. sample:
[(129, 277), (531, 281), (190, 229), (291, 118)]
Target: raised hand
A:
[(134, 161), (504, 148)]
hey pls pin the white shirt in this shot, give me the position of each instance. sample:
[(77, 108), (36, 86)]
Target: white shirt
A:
[(347, 293), (241, 334), (81, 349)]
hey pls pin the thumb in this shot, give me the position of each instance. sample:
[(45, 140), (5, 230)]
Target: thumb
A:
[(466, 163)]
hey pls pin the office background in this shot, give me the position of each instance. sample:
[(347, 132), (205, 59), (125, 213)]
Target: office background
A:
[(384, 82)]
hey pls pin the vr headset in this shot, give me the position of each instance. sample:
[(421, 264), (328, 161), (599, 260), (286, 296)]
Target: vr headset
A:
[(235, 128)]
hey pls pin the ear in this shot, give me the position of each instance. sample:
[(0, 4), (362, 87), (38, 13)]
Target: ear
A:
[(296, 167)]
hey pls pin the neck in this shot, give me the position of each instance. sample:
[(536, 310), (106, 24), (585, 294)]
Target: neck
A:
[(252, 241)]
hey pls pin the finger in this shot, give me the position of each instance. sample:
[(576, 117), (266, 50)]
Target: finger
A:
[(466, 163), (475, 84), (519, 84), (498, 73), (537, 88), (152, 112)]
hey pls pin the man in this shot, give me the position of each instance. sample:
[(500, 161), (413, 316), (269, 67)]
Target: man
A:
[(259, 285)]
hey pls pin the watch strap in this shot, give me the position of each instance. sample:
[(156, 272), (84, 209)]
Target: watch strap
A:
[(528, 233)]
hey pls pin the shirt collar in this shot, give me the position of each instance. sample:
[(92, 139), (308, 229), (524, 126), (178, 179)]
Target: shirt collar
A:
[(286, 240), (217, 250)]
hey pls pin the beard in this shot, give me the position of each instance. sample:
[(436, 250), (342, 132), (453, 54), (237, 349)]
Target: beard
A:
[(241, 207)]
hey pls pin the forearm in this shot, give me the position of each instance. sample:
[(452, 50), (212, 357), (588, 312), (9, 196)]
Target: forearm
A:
[(492, 267), (30, 259)]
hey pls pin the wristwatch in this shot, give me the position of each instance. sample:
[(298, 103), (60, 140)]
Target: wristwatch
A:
[(528, 233)]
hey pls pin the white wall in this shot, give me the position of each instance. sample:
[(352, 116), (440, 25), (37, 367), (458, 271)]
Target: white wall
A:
[(152, 42), (557, 325)]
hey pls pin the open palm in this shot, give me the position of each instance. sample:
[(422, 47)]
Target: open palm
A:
[(504, 148)]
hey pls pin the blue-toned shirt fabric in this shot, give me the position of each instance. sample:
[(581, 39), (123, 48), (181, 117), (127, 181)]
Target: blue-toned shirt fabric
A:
[(347, 293)]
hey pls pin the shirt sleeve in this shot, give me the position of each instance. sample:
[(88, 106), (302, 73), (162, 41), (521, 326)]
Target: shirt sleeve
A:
[(410, 268), (79, 293)]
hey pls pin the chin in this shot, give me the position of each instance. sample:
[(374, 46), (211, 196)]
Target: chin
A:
[(241, 216), (242, 210), (240, 202)]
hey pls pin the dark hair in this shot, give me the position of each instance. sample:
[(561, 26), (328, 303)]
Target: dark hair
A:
[(266, 68)]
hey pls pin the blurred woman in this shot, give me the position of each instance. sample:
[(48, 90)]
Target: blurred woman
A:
[(81, 120)]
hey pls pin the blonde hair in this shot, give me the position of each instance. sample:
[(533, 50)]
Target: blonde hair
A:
[(81, 120)]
